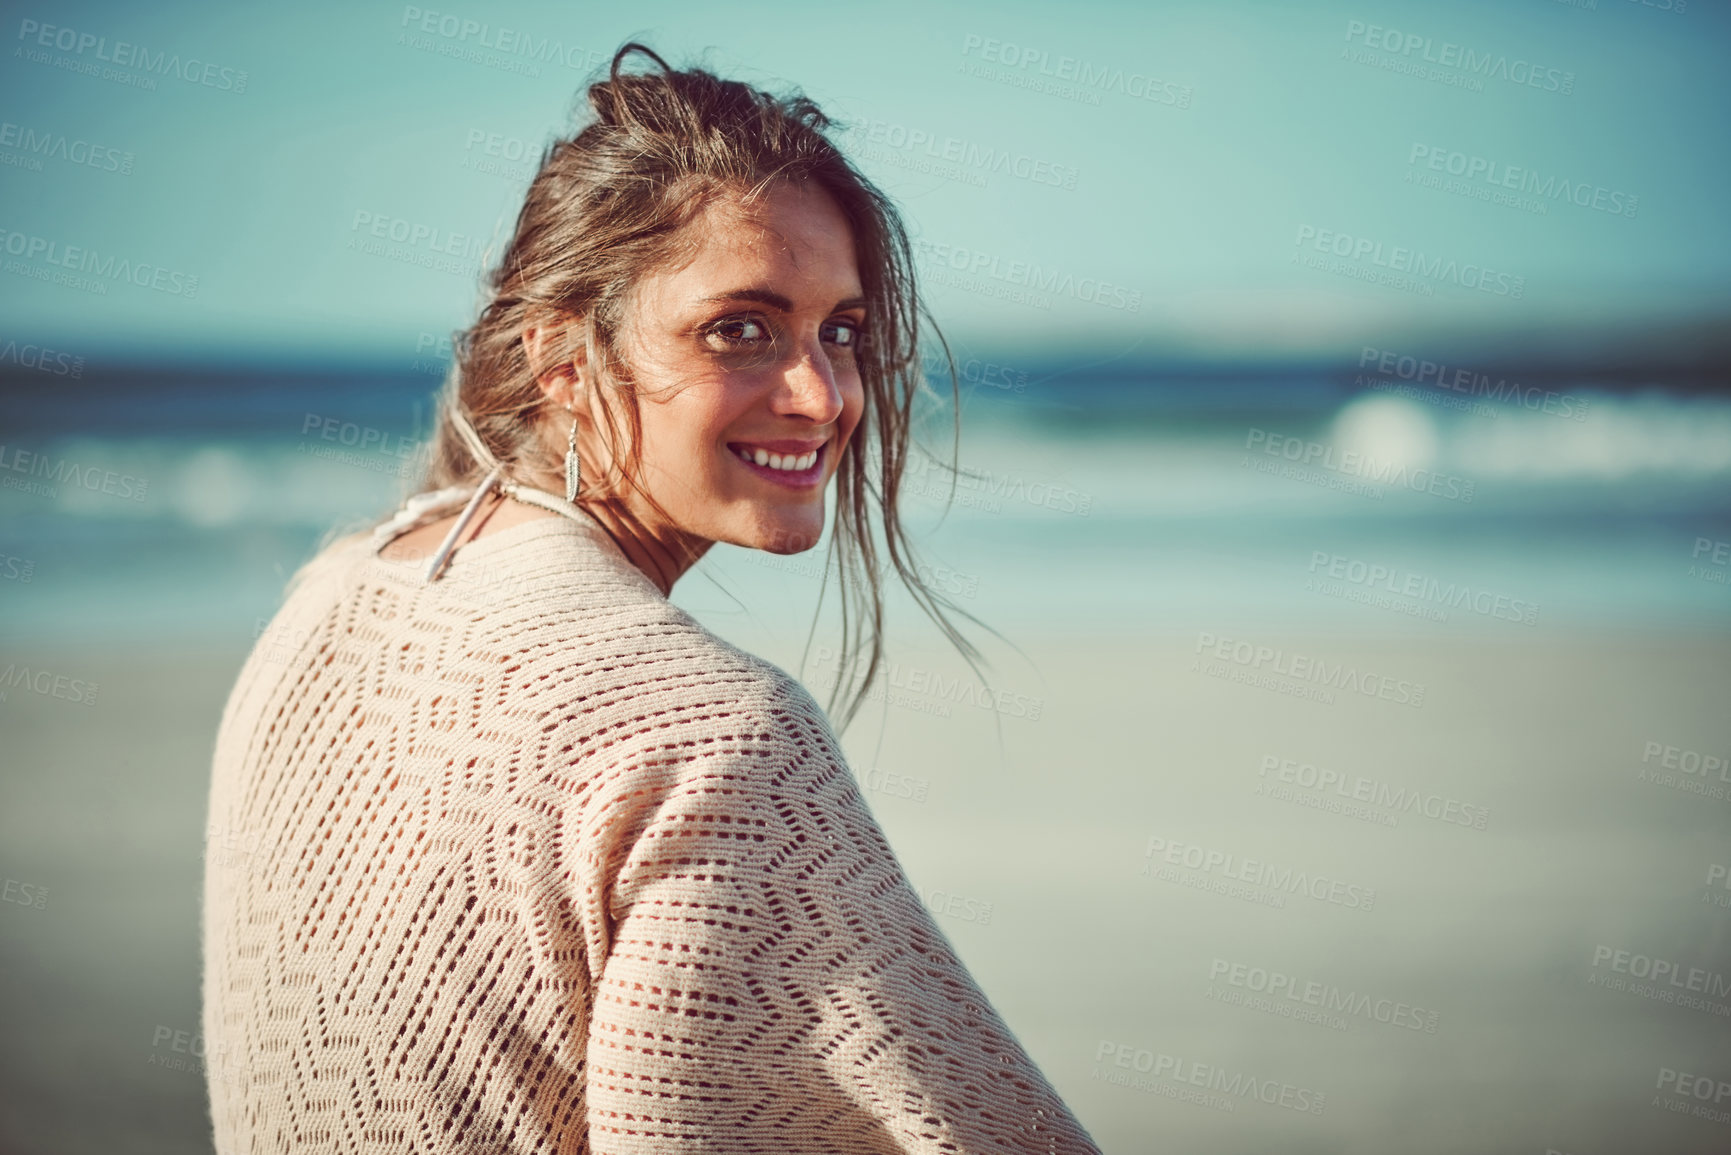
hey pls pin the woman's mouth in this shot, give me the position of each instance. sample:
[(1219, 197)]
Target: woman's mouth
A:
[(795, 464)]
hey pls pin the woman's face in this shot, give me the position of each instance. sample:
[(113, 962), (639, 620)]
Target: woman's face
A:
[(745, 364)]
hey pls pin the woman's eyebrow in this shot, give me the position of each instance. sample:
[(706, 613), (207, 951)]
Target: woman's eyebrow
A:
[(775, 300)]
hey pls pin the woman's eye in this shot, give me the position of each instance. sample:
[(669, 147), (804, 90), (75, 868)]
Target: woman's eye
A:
[(740, 330), (843, 333)]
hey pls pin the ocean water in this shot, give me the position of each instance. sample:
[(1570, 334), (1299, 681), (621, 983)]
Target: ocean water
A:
[(1052, 522)]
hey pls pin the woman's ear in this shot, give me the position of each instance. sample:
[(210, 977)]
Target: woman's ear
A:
[(557, 348)]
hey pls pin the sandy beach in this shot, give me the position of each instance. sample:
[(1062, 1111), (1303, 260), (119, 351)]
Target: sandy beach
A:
[(1221, 912)]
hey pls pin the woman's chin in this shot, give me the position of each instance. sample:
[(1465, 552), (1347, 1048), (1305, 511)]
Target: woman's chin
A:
[(785, 536)]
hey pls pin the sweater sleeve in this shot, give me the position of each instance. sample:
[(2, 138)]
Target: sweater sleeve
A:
[(763, 976)]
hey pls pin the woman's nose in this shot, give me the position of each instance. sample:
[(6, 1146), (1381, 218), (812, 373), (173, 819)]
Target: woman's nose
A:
[(809, 388)]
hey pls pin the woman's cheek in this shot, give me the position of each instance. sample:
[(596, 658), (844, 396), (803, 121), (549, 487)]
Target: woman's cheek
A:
[(853, 408)]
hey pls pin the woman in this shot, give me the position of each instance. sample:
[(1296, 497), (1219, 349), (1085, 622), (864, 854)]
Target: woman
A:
[(543, 865)]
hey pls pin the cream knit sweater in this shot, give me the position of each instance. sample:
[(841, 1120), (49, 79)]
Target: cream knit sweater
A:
[(526, 860)]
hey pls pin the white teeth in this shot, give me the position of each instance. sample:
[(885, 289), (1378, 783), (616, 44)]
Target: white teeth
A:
[(790, 463)]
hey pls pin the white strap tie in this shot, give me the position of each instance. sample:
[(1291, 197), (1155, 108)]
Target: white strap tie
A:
[(417, 507)]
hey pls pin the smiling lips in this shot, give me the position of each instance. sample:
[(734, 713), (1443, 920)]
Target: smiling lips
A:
[(790, 462)]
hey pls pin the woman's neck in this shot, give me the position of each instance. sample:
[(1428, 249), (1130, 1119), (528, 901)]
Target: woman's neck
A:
[(663, 555)]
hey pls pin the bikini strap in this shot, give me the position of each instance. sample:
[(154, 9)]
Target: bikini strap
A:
[(414, 511), (437, 565), (416, 508)]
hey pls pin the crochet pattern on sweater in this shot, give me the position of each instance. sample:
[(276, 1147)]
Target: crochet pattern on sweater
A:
[(525, 860)]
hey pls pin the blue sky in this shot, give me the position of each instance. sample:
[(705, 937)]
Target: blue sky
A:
[(1254, 177)]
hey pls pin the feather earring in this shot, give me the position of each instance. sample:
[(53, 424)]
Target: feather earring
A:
[(573, 467)]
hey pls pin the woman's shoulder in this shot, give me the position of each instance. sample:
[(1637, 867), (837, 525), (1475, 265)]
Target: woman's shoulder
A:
[(668, 662), (563, 626), (566, 601), (677, 708), (645, 672)]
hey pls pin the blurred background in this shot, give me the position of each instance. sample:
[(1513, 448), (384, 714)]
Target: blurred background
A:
[(1346, 439)]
